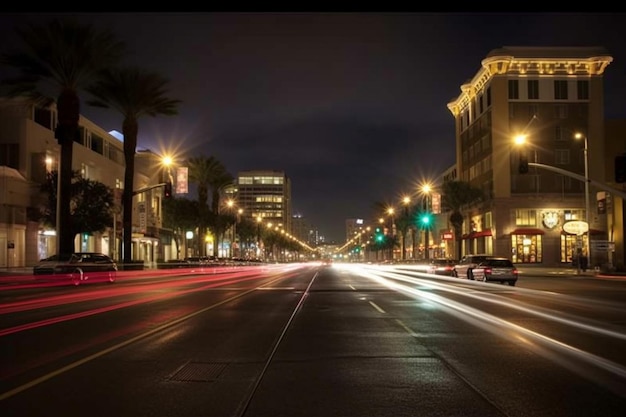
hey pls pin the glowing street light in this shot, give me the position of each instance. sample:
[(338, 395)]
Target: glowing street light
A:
[(426, 189), (578, 136)]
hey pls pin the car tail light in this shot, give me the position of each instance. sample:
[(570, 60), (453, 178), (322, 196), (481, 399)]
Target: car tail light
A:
[(487, 270), (515, 271), (448, 268)]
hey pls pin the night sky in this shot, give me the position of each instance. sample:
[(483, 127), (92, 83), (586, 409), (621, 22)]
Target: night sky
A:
[(352, 106)]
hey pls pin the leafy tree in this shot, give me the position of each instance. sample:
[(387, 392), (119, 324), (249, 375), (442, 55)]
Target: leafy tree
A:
[(134, 93), (180, 215), (92, 204), (58, 60), (246, 230), (455, 196)]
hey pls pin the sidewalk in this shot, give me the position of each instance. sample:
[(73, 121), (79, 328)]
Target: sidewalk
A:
[(539, 270)]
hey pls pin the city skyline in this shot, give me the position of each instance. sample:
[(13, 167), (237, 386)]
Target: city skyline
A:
[(351, 106)]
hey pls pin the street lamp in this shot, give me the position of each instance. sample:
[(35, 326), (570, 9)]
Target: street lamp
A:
[(577, 136), (392, 232), (426, 222), (406, 201), (259, 219)]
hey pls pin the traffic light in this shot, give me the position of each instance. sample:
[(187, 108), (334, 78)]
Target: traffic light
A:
[(167, 190), (379, 235), (426, 219), (620, 169), (523, 164)]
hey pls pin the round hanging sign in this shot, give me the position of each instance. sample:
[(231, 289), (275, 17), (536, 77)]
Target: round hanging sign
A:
[(576, 227)]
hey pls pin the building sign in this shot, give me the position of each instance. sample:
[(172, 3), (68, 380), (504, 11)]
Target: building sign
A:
[(550, 219), (575, 227), (142, 217), (447, 236), (182, 180), (436, 203), (601, 201)]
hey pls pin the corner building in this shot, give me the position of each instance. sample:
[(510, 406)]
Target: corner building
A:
[(546, 94)]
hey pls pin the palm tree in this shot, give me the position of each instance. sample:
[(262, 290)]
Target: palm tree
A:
[(66, 57), (134, 93), (203, 171), (455, 196), (381, 210)]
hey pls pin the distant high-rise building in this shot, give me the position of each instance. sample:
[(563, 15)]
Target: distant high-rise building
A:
[(265, 194), (304, 231)]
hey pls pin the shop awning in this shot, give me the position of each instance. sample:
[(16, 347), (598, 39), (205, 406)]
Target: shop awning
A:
[(527, 231), (482, 233)]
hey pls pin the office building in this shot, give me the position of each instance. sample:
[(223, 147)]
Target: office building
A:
[(547, 95), (265, 194)]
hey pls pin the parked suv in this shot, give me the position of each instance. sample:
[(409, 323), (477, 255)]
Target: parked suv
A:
[(467, 263)]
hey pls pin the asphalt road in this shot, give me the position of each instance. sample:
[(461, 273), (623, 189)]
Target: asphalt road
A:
[(315, 341)]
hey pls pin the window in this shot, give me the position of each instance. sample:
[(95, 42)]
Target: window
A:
[(488, 96), (513, 89), (9, 155), (561, 111), (563, 183), (560, 90), (533, 89), (84, 170), (561, 156), (533, 110), (97, 143), (525, 217), (558, 133), (480, 104), (583, 89), (573, 215), (485, 142)]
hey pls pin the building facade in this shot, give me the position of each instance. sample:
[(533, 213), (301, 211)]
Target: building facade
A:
[(29, 150), (547, 95), (265, 194)]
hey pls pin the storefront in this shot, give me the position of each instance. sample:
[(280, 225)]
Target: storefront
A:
[(527, 245)]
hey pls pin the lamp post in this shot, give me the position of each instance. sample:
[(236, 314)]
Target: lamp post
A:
[(406, 201), (259, 219), (579, 135), (392, 231), (426, 192)]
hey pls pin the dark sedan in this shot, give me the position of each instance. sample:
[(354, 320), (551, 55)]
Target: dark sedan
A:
[(500, 270), (77, 267)]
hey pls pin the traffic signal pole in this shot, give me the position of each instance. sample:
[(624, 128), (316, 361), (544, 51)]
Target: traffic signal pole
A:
[(152, 187)]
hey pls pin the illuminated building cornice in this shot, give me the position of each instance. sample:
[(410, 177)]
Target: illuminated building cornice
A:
[(546, 62)]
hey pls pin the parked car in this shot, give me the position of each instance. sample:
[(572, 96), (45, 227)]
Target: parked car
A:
[(200, 260), (441, 266), (496, 269), (77, 267), (464, 269)]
